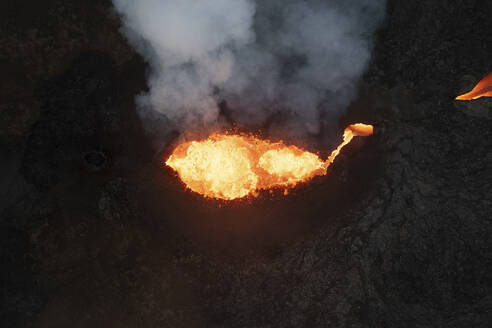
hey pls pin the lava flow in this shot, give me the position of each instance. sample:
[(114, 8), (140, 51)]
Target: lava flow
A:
[(228, 166), (482, 89)]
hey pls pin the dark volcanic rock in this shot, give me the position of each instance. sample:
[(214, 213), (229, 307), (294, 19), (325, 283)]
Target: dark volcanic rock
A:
[(95, 232)]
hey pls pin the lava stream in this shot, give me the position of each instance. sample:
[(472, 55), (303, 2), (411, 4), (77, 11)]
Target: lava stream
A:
[(482, 89), (233, 166)]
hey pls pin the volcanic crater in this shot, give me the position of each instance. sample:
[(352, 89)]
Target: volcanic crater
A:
[(97, 232)]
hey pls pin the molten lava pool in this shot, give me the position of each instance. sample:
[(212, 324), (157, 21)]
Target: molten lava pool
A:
[(230, 166)]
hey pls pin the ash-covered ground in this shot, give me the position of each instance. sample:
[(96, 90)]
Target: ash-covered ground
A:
[(95, 232)]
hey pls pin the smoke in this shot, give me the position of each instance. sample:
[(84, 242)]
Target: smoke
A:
[(298, 60)]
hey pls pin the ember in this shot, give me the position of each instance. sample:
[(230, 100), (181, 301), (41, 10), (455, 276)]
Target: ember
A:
[(233, 166), (482, 89)]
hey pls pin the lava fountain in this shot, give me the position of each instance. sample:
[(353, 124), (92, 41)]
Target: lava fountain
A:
[(482, 89), (230, 166)]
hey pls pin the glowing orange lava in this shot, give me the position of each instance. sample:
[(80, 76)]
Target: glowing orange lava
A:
[(482, 89), (233, 166)]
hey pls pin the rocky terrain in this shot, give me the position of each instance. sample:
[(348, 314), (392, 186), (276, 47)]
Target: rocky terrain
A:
[(95, 232)]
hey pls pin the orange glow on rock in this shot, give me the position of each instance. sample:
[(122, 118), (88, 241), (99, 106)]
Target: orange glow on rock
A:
[(482, 89), (228, 166)]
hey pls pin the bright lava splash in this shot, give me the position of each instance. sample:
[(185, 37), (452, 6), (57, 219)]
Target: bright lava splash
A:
[(482, 89), (230, 166)]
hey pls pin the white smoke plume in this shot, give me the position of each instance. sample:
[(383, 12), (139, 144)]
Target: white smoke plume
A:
[(296, 58)]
